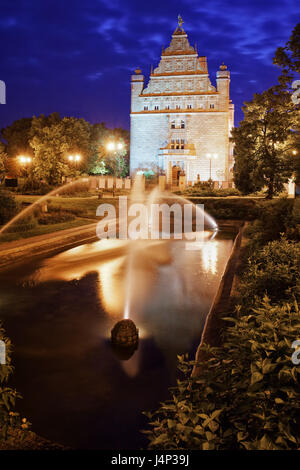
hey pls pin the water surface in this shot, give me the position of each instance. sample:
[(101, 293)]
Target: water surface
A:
[(59, 312)]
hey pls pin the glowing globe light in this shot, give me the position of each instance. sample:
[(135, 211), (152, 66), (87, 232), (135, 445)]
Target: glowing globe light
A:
[(111, 146)]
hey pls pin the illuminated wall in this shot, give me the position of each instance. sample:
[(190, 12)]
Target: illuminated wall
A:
[(180, 117)]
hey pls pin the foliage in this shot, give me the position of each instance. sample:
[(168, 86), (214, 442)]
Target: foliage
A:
[(195, 191), (288, 57), (50, 140), (17, 137), (3, 161), (264, 142), (23, 224), (34, 186), (8, 417), (55, 217), (239, 208), (8, 207), (273, 219), (53, 143), (247, 394), (76, 188), (273, 271)]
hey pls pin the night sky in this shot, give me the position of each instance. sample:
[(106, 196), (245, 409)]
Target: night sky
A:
[(76, 57)]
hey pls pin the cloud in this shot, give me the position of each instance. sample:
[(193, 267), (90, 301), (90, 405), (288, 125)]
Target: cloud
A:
[(82, 57)]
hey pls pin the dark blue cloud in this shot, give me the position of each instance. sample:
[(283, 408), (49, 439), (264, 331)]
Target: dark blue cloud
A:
[(77, 57)]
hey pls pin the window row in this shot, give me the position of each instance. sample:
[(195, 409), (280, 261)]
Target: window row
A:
[(189, 106)]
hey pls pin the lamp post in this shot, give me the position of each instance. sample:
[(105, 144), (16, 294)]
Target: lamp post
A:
[(74, 159), (25, 161), (114, 147), (211, 156)]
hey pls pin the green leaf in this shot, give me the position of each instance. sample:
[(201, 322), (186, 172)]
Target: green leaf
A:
[(256, 377)]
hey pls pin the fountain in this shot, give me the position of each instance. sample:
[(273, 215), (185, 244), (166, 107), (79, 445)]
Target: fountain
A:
[(135, 254)]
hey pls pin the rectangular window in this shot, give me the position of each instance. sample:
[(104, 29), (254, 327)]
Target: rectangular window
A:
[(177, 106), (189, 106), (211, 106), (156, 107), (145, 108), (167, 107)]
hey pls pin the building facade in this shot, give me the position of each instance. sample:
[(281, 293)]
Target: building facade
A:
[(180, 119)]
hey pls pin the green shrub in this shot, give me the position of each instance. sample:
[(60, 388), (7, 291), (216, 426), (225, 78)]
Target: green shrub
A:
[(23, 224), (274, 271), (247, 395), (8, 396), (8, 207), (240, 209), (55, 217), (34, 186), (77, 189), (296, 211), (273, 219)]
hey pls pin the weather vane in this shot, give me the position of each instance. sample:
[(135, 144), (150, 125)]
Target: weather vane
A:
[(180, 21)]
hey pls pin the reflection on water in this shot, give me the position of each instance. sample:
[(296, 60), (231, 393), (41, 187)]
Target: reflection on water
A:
[(59, 315)]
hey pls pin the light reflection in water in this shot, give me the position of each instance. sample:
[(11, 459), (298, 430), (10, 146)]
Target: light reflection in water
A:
[(172, 287), (210, 256)]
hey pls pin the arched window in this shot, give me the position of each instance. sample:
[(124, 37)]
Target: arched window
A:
[(182, 125)]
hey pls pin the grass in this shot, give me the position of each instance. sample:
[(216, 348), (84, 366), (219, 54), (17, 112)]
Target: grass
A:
[(43, 230), (83, 208)]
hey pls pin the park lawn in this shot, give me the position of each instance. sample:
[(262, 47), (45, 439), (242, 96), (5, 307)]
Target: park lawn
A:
[(82, 207), (44, 229)]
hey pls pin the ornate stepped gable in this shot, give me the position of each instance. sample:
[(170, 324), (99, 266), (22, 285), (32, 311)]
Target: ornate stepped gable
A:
[(178, 60)]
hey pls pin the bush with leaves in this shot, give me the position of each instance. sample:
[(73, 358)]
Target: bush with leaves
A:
[(57, 217), (8, 207), (273, 271), (247, 395), (8, 417), (34, 186), (273, 219)]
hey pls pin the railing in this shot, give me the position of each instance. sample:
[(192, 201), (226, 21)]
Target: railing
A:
[(176, 151)]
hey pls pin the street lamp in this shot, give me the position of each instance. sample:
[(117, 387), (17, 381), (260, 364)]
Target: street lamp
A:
[(25, 162), (74, 159), (114, 147), (211, 156)]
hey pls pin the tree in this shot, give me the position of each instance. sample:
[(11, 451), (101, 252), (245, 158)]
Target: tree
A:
[(96, 163), (3, 161), (54, 142), (264, 142), (17, 137), (288, 59)]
